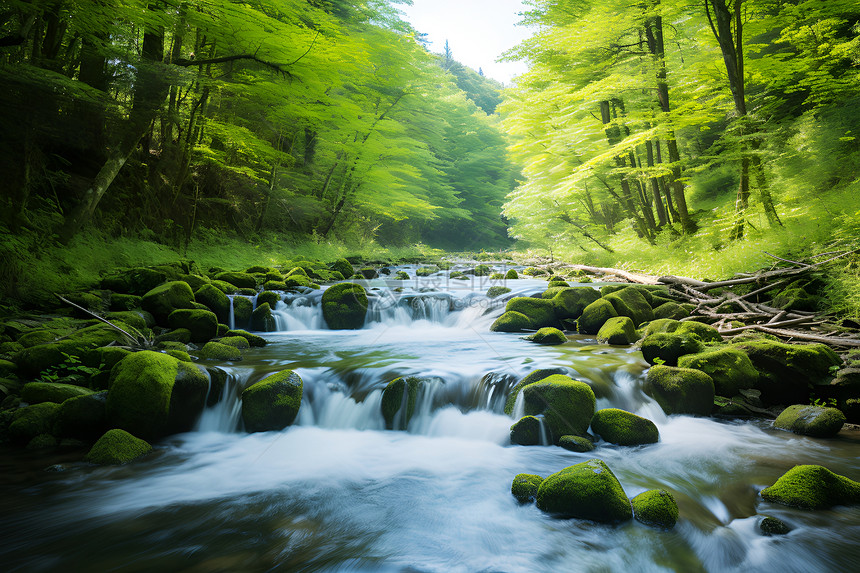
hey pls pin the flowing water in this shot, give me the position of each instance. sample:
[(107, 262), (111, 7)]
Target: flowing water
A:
[(337, 492)]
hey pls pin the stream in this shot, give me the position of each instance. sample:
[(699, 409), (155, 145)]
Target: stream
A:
[(337, 492)]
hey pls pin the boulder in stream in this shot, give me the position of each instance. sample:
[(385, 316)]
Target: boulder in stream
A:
[(273, 403), (548, 336), (525, 487), (812, 487), (217, 351), (585, 491), (656, 508), (576, 444), (680, 390), (729, 368), (531, 378), (117, 447), (594, 316), (704, 331), (539, 311), (618, 330), (342, 266), (262, 319), (238, 280), (667, 347), (37, 392), (82, 417), (31, 421), (526, 431), (398, 402), (202, 324), (344, 306), (253, 339), (567, 405), (632, 303), (164, 299), (624, 428), (815, 421), (512, 322), (215, 300)]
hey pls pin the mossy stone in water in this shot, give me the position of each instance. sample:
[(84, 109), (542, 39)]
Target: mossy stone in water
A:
[(809, 420), (344, 306), (539, 311), (214, 299), (704, 331), (812, 487), (120, 302), (668, 347), (632, 303), (569, 303), (576, 444), (773, 526), (594, 316), (273, 403), (225, 287), (117, 447), (531, 378), (253, 339), (729, 368), (585, 491), (342, 266), (182, 335), (567, 405), (656, 508), (236, 342), (218, 351), (30, 421), (548, 336), (624, 428), (512, 274), (37, 392), (238, 280), (164, 299), (194, 281), (139, 319), (242, 310), (526, 431), (680, 390), (398, 402), (660, 325), (618, 331), (495, 291), (512, 322), (404, 276), (525, 487), (272, 298), (262, 319), (82, 343), (202, 324)]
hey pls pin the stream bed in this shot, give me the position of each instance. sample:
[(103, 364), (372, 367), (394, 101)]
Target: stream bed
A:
[(337, 492)]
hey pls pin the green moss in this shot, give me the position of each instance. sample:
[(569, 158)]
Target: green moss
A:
[(512, 322), (426, 271), (548, 336), (729, 368), (120, 302), (194, 281), (202, 324), (576, 444), (553, 290), (567, 405), (37, 392), (531, 378), (680, 390), (773, 526), (215, 300), (273, 403), (403, 276), (262, 319), (239, 342), (495, 291), (795, 299), (253, 339), (218, 351), (660, 325), (272, 298), (224, 287), (297, 271), (812, 487), (164, 299), (242, 310), (398, 402), (117, 447), (138, 400), (344, 306), (140, 320), (810, 420), (342, 266), (483, 271), (511, 274), (670, 310), (181, 335), (618, 330), (81, 343), (595, 315), (42, 442), (533, 272), (585, 491), (30, 421), (238, 280), (275, 285), (704, 331), (656, 508), (623, 428), (7, 368), (668, 347), (539, 311), (526, 431), (36, 337), (525, 487), (569, 303), (633, 303)]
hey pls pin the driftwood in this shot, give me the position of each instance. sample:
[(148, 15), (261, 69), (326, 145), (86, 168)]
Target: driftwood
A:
[(639, 278)]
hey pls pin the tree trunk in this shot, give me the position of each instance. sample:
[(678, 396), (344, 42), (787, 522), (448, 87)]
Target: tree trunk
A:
[(655, 185)]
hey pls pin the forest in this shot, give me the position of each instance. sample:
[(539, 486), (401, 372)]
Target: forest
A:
[(655, 135)]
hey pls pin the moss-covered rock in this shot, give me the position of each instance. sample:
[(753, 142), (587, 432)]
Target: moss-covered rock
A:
[(618, 330), (773, 526), (655, 508), (120, 302), (809, 420), (567, 405), (344, 306), (42, 442), (225, 287), (531, 378), (398, 402), (38, 392), (680, 390), (81, 343), (577, 444), (786, 370), (525, 487), (139, 319), (704, 331), (812, 487), (117, 447), (342, 266), (632, 303), (659, 325), (404, 276), (495, 291), (668, 347), (729, 368), (275, 285), (253, 339), (202, 324), (194, 281), (795, 299), (262, 319), (38, 336), (269, 297), (215, 300), (548, 336), (238, 280), (585, 491), (164, 299), (569, 303), (82, 417), (594, 316), (671, 310), (624, 428), (181, 335), (30, 421), (273, 403), (512, 274), (242, 310), (239, 342), (483, 271), (368, 273), (217, 351), (136, 281), (512, 322), (7, 368), (527, 431), (539, 311)]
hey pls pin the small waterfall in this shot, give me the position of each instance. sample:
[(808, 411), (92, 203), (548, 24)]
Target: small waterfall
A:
[(224, 415), (232, 320), (301, 313)]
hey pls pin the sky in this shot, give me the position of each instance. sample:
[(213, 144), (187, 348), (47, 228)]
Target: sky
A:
[(478, 31)]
